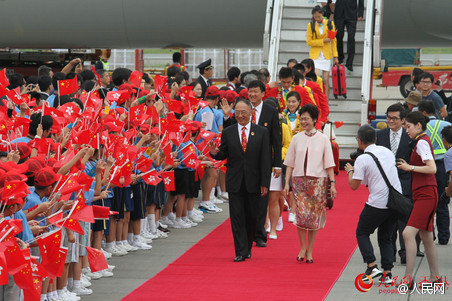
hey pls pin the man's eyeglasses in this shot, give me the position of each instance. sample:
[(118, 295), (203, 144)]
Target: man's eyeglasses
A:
[(392, 118), (426, 82)]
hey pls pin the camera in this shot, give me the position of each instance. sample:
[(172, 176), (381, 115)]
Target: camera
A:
[(437, 82), (358, 152)]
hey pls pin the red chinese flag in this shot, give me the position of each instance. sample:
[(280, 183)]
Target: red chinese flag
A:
[(123, 172), (3, 79), (189, 151), (34, 293), (15, 259), (101, 212), (56, 217), (200, 171), (96, 259), (14, 188), (168, 180), (71, 224), (332, 34), (338, 124), (144, 164), (83, 212), (175, 106), (55, 265), (152, 178), (168, 154), (97, 75), (49, 245), (24, 278), (135, 78), (85, 181), (67, 86), (159, 83), (71, 186)]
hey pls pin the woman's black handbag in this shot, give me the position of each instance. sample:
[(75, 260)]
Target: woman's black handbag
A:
[(396, 201)]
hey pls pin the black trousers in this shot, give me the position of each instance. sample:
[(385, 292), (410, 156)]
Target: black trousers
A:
[(243, 210), (370, 219), (442, 210), (261, 233), (351, 30), (399, 227)]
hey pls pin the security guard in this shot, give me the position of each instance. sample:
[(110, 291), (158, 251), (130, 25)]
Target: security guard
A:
[(102, 63), (177, 58), (206, 71), (434, 128)]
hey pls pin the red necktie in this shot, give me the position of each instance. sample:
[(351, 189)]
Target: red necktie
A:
[(253, 116), (244, 139)]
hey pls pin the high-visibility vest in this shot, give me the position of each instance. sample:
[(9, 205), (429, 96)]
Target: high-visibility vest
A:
[(105, 65), (435, 137)]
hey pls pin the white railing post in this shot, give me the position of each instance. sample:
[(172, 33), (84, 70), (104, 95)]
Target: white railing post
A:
[(275, 37), (367, 61), (268, 17)]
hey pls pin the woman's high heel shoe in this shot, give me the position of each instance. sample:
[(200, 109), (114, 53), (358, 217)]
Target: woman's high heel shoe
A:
[(300, 259), (309, 260)]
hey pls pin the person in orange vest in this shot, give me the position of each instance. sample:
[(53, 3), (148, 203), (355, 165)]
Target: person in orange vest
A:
[(177, 58)]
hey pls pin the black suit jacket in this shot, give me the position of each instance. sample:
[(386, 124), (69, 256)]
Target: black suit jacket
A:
[(252, 166), (269, 119), (403, 152), (349, 9), (203, 85)]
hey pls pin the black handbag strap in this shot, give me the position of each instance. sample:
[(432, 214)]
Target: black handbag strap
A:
[(381, 169)]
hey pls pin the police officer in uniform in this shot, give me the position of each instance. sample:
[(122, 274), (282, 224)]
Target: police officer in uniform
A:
[(206, 72)]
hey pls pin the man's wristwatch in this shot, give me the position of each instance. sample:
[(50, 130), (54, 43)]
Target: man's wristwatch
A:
[(332, 181)]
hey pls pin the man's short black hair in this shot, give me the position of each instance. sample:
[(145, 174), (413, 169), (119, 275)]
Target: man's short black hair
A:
[(397, 107), (120, 76), (15, 80), (172, 71), (427, 107), (426, 75), (446, 132), (146, 78), (312, 110), (256, 84), (367, 134), (285, 72), (300, 68), (88, 75), (265, 72), (44, 82), (233, 72), (44, 70), (47, 123), (177, 57), (186, 75)]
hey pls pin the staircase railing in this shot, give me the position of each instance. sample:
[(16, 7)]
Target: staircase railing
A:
[(275, 36)]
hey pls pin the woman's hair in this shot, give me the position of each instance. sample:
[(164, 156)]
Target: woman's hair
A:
[(193, 84), (417, 117), (316, 9), (312, 110), (309, 63), (295, 94)]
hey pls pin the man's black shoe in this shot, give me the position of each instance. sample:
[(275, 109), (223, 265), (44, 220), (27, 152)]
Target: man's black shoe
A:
[(443, 242), (260, 243), (349, 67), (239, 258), (248, 256)]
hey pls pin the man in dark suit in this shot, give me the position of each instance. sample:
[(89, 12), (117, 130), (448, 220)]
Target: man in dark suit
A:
[(246, 147), (346, 14), (264, 115), (206, 71), (395, 138)]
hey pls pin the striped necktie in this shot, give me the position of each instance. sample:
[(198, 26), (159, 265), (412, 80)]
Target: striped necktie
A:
[(394, 143)]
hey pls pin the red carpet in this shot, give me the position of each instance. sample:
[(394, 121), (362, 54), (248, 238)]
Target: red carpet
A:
[(207, 272)]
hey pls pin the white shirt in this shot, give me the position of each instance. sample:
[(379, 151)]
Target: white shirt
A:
[(367, 171), (399, 136), (258, 111), (247, 131), (424, 151)]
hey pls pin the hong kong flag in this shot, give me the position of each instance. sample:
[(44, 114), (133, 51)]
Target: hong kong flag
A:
[(15, 97), (168, 154), (206, 135), (67, 86), (3, 79), (118, 96), (3, 267), (168, 180), (96, 259), (151, 178)]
